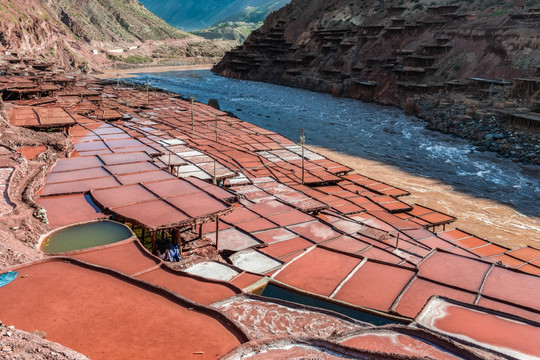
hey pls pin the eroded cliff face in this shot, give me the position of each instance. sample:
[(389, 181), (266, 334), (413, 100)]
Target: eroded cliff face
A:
[(28, 27), (386, 50)]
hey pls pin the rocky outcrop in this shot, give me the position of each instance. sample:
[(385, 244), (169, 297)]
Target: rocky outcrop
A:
[(19, 344)]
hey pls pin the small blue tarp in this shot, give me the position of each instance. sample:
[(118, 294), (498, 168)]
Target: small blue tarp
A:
[(8, 277), (174, 253)]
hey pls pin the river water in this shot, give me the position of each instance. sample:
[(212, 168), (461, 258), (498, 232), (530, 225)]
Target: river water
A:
[(366, 130)]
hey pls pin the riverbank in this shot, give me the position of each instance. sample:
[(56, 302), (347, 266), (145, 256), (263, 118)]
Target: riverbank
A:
[(485, 218), (128, 73), (482, 122)]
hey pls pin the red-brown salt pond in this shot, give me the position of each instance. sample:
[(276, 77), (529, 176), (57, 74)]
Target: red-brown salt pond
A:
[(31, 152), (496, 331), (195, 288), (106, 315), (396, 343), (317, 271), (128, 256), (374, 285)]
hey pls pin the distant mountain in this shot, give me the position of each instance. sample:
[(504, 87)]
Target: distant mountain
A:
[(254, 11), (199, 14), (237, 31)]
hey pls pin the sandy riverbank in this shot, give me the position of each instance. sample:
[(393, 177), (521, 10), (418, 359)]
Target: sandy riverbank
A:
[(127, 73), (484, 218)]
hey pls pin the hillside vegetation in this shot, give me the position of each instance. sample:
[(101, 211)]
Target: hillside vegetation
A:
[(237, 31)]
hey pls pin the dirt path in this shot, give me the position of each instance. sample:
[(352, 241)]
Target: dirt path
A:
[(485, 218), (127, 73)]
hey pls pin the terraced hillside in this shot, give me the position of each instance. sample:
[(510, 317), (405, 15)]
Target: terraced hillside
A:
[(385, 50)]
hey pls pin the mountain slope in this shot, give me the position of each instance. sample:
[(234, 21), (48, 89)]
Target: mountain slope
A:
[(200, 14), (93, 34), (106, 20)]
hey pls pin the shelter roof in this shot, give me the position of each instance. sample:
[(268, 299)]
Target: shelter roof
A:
[(130, 186), (160, 204), (39, 117)]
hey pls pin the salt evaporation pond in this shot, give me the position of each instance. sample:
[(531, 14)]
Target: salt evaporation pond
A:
[(366, 130), (84, 236), (277, 292)]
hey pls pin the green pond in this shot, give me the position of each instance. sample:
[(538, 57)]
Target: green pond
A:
[(84, 236)]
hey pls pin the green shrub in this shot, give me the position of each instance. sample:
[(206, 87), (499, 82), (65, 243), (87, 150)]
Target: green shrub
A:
[(136, 59)]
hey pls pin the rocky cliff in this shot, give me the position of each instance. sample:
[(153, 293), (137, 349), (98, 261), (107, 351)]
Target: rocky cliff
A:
[(385, 50)]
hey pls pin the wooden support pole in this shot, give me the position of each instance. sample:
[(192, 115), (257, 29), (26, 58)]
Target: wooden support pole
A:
[(147, 92), (217, 233), (302, 142), (177, 239), (191, 100), (181, 247), (153, 234), (214, 180), (200, 231)]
